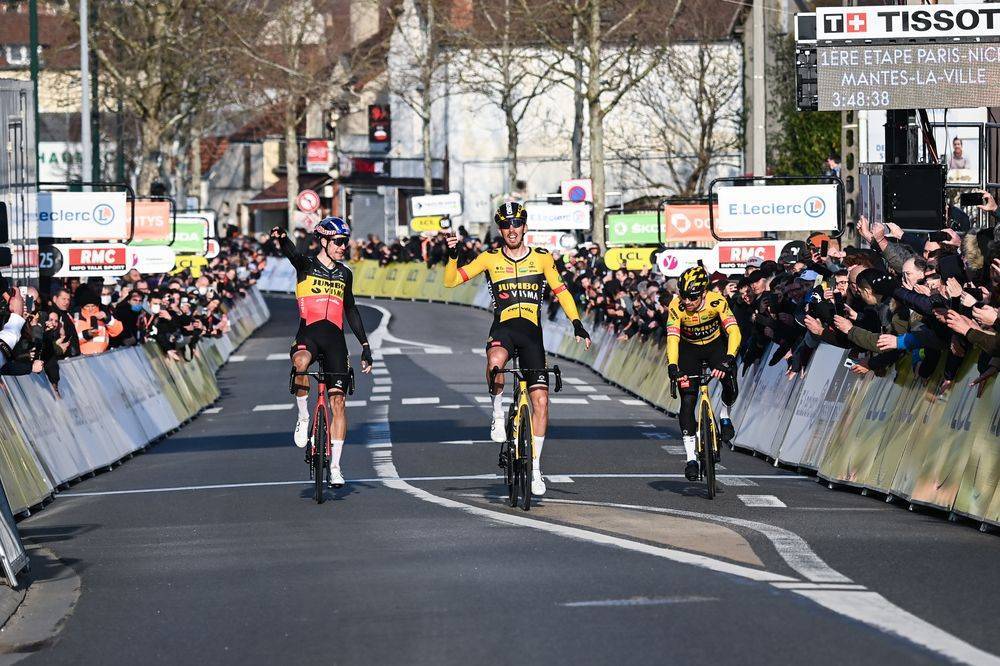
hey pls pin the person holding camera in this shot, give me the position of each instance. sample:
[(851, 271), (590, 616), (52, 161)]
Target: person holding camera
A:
[(95, 329), (12, 316)]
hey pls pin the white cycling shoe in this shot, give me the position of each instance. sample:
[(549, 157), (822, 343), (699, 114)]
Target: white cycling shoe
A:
[(336, 478), (301, 436), (537, 482), (498, 431)]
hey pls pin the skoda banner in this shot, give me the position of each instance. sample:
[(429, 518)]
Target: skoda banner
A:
[(631, 229), (191, 234), (748, 210), (82, 216)]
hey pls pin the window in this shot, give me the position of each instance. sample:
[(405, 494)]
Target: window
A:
[(17, 55)]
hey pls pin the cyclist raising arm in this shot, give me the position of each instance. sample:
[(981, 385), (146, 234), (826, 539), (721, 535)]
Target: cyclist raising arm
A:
[(517, 276), (696, 321), (324, 290)]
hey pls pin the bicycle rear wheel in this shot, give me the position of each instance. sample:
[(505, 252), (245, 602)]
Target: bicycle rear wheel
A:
[(708, 448), (319, 454), (525, 451), (510, 473)]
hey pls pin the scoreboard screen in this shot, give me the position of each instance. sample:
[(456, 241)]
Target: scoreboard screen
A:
[(908, 76)]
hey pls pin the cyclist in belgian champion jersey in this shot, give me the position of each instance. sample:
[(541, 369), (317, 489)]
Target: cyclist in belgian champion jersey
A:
[(325, 295), (517, 276), (701, 327)]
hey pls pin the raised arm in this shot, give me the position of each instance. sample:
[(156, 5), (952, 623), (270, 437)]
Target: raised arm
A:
[(454, 276), (287, 247)]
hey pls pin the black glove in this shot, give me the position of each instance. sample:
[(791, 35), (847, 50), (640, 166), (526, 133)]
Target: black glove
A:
[(453, 251), (673, 372), (366, 355), (579, 331), (726, 364)]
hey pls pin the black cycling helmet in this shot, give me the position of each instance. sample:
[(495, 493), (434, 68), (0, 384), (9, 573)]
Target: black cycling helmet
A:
[(511, 212), (693, 282), (332, 226)]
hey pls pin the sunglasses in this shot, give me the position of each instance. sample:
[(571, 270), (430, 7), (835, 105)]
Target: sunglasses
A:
[(340, 241), (691, 299), (507, 224)]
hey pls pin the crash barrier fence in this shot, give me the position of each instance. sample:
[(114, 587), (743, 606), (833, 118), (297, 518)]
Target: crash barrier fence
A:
[(109, 406), (897, 434)]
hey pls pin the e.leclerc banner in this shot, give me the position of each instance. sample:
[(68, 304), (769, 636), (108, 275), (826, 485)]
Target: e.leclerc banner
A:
[(82, 216), (747, 210)]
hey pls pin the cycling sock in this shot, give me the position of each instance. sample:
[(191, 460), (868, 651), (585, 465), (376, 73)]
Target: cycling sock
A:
[(536, 447), (498, 405), (303, 405), (338, 448), (723, 411), (689, 447)]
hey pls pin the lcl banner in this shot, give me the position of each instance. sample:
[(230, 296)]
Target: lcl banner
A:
[(82, 216), (152, 222)]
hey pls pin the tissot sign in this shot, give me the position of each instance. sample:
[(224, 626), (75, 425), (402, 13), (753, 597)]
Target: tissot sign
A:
[(900, 22)]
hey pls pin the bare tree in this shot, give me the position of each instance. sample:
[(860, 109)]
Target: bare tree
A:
[(163, 60), (494, 61), (687, 113), (419, 78), (620, 42)]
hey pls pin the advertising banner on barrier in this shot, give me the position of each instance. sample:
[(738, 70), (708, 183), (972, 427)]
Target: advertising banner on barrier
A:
[(12, 553), (674, 261), (565, 217), (82, 216), (553, 241), (152, 222), (151, 259), (748, 210), (733, 255)]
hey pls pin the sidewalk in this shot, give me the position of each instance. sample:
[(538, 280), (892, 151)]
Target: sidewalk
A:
[(10, 599)]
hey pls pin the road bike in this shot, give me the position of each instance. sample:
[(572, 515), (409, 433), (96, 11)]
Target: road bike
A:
[(320, 443), (707, 431), (515, 453)]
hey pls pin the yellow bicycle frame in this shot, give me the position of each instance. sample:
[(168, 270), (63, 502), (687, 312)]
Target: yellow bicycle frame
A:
[(520, 400), (704, 399)]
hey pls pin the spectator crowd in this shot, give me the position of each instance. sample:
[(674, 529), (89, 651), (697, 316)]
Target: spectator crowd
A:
[(73, 317), (931, 296)]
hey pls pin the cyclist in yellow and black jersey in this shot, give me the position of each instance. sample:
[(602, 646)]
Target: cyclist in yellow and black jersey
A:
[(701, 327), (517, 276)]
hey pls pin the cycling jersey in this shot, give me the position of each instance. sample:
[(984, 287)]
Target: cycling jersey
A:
[(325, 295), (702, 326), (517, 285)]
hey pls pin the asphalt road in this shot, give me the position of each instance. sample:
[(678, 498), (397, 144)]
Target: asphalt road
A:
[(209, 549)]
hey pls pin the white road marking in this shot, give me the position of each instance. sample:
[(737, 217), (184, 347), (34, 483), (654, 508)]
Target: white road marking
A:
[(568, 401), (483, 400), (277, 357), (390, 351), (675, 449), (355, 403), (758, 500), (600, 397), (736, 481), (629, 401), (479, 350), (455, 406), (421, 401), (636, 601), (573, 380), (212, 410), (644, 424), (237, 358), (818, 586), (379, 371), (467, 442), (274, 408), (658, 435), (558, 478), (381, 389), (437, 350), (377, 398), (382, 380), (585, 389)]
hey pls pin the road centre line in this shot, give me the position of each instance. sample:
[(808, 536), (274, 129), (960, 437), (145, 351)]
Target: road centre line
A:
[(600, 397), (212, 410), (760, 500), (636, 601), (630, 401), (381, 388), (274, 408), (568, 401), (277, 357), (421, 401), (573, 380), (237, 358), (737, 481)]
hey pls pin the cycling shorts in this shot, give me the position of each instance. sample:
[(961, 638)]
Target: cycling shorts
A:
[(323, 338), (690, 356), (521, 337)]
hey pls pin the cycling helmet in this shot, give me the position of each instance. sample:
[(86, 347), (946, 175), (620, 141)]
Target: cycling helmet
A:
[(332, 226), (693, 282), (510, 212)]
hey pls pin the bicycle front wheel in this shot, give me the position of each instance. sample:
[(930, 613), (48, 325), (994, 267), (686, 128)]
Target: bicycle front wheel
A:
[(320, 442), (510, 472), (708, 448), (526, 452)]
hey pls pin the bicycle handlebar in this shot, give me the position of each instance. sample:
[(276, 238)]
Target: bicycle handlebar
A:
[(520, 372)]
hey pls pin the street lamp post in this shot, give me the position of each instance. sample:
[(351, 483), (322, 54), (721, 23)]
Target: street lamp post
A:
[(33, 39), (85, 133)]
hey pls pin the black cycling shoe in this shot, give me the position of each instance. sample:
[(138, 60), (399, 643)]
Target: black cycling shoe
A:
[(691, 470), (726, 430)]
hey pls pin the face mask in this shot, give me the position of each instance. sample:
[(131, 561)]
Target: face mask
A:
[(202, 290), (136, 307), (242, 273), (105, 300), (155, 308)]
